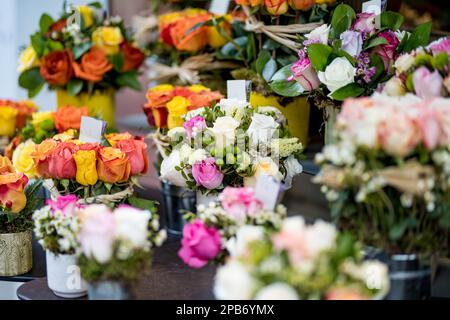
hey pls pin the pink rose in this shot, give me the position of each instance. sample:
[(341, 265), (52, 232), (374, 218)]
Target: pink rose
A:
[(200, 244), (240, 202), (197, 122), (62, 164), (427, 84), (398, 135), (430, 127), (441, 45), (67, 204), (207, 174), (365, 22), (304, 73), (136, 151), (387, 52)]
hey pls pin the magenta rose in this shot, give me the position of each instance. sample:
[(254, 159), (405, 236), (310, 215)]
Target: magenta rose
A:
[(67, 204), (304, 73), (207, 174), (427, 84), (365, 22), (196, 123), (240, 202), (387, 52), (200, 244)]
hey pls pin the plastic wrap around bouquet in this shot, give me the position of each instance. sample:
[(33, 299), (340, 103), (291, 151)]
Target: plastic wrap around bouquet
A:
[(231, 144), (94, 172), (299, 261), (210, 235)]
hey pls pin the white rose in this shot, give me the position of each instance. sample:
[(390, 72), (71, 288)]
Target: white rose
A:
[(277, 291), (261, 128), (224, 131), (232, 106), (233, 282), (337, 74), (197, 156), (268, 109), (237, 245), (404, 63), (293, 168), (394, 87), (168, 171), (319, 34), (294, 224), (132, 226), (185, 152), (374, 273), (319, 237), (264, 166)]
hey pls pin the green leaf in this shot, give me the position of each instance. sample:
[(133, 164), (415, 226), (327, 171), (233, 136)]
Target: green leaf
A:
[(391, 20), (263, 57), (378, 63), (129, 79), (399, 229), (269, 69), (350, 90), (31, 79), (375, 42), (280, 84), (342, 19), (33, 92), (74, 87), (95, 4), (234, 50), (141, 203), (81, 49), (45, 22), (318, 54), (55, 45), (38, 43), (419, 37), (117, 61), (345, 245)]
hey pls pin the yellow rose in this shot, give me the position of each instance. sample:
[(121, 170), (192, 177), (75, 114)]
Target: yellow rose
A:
[(86, 161), (177, 107), (217, 39), (87, 14), (38, 117), (162, 87), (197, 88), (66, 135), (8, 120), (108, 39), (22, 160), (28, 59)]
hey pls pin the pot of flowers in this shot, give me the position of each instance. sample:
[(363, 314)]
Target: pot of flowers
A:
[(299, 261), (56, 227), (85, 56), (386, 179), (116, 249), (17, 203)]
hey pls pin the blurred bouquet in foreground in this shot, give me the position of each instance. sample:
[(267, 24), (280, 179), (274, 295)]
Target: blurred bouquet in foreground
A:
[(299, 261), (13, 115), (387, 177), (210, 234)]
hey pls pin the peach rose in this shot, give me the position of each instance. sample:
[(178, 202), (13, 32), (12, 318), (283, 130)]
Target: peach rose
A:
[(136, 151), (12, 186), (204, 99), (5, 165), (62, 164), (194, 40), (56, 67), (93, 66), (41, 157), (113, 138), (69, 117), (113, 165), (158, 98), (133, 57)]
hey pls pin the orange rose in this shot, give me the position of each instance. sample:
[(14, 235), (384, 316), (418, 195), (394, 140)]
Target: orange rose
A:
[(56, 67), (113, 138), (69, 117), (186, 40), (133, 57), (136, 151), (12, 186), (301, 4), (276, 7), (12, 146), (61, 164), (6, 165), (41, 157), (158, 98), (204, 99), (113, 165), (94, 65)]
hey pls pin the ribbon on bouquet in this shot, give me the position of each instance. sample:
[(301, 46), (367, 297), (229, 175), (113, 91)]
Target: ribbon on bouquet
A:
[(407, 178), (285, 35), (160, 141), (189, 70)]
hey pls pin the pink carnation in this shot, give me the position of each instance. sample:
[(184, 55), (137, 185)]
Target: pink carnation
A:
[(240, 202), (197, 122)]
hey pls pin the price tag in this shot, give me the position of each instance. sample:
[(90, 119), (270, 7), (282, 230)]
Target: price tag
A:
[(239, 89), (268, 191), (373, 6), (219, 7), (91, 130)]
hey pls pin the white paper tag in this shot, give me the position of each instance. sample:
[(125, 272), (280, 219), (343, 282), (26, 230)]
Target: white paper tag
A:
[(268, 190), (239, 89), (91, 129), (219, 7), (373, 6)]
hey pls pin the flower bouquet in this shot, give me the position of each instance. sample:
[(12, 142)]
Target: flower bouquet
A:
[(56, 227), (424, 71), (17, 203), (84, 56), (231, 144), (210, 234), (299, 261), (116, 248)]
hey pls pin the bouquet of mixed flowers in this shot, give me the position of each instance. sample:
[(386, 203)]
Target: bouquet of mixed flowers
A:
[(299, 261), (387, 177), (167, 105), (116, 245), (80, 52), (231, 144), (13, 116), (210, 233), (424, 71)]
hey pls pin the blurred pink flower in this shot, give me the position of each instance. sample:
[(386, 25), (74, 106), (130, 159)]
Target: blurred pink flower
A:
[(67, 204), (197, 122), (440, 45), (427, 84), (240, 202)]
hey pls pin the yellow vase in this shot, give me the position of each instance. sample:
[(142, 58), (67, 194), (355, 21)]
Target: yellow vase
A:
[(100, 103), (296, 113)]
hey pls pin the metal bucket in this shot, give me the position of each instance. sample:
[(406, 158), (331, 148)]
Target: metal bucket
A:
[(110, 290)]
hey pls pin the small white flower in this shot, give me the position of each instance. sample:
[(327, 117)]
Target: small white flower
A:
[(277, 291)]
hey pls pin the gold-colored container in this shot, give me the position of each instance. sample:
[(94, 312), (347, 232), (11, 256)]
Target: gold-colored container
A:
[(15, 253)]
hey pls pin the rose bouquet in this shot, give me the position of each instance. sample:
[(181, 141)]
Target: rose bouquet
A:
[(210, 233), (231, 144), (166, 104), (424, 71), (387, 176), (80, 52), (116, 245), (299, 261)]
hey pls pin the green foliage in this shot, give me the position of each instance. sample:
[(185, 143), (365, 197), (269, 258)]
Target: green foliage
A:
[(31, 80), (282, 86), (319, 55), (350, 90), (418, 38), (74, 87), (391, 20), (45, 22), (129, 79), (342, 19)]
